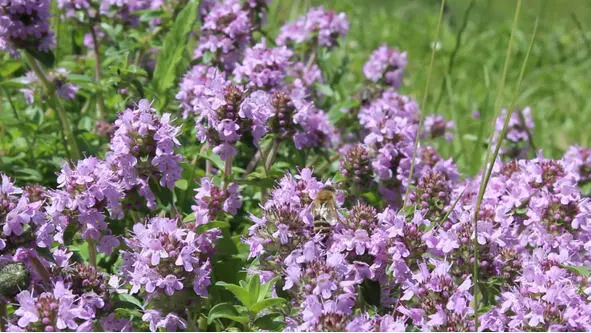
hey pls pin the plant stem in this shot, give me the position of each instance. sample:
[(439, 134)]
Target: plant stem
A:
[(452, 58), (227, 172), (423, 105), (100, 103), (92, 252), (253, 162), (67, 133), (271, 157), (3, 315), (489, 162), (40, 268)]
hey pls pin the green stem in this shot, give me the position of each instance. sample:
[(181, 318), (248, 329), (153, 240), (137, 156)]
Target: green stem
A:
[(92, 252), (208, 165), (423, 105), (227, 172), (452, 59), (490, 159), (271, 157), (67, 133)]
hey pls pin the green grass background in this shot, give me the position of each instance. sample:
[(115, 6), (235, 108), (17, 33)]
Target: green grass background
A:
[(556, 83)]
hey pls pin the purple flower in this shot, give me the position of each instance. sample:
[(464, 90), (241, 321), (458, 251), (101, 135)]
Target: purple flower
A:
[(436, 126), (211, 200), (226, 30), (161, 247), (72, 6), (57, 308), (171, 322), (113, 324), (25, 24), (85, 193), (318, 26), (263, 67), (143, 147), (386, 65)]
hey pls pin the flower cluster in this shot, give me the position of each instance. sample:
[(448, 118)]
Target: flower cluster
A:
[(263, 67), (58, 78), (142, 150), (21, 215), (164, 259), (386, 66), (225, 112), (85, 193), (210, 200), (226, 31), (60, 295), (436, 126), (319, 27), (368, 227), (518, 134), (25, 25)]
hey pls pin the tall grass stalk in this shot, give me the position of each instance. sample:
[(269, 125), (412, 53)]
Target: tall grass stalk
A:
[(424, 103), (489, 160)]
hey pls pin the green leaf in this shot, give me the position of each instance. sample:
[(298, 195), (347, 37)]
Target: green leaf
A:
[(267, 303), (266, 287), (225, 310), (82, 250), (214, 158), (189, 218), (212, 225), (175, 44), (324, 89), (579, 270), (181, 184), (131, 299), (240, 293), (254, 288), (340, 110), (269, 322)]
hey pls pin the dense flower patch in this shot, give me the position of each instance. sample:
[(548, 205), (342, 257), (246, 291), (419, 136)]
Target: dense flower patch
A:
[(118, 242)]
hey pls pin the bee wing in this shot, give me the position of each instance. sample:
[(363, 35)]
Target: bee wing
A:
[(332, 215)]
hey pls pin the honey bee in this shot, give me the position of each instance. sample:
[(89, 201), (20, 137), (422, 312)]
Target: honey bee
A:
[(324, 210)]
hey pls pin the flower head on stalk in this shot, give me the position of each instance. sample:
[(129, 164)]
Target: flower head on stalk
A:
[(58, 78), (25, 25), (85, 195), (226, 31), (519, 131), (319, 27), (210, 200), (386, 66), (142, 149)]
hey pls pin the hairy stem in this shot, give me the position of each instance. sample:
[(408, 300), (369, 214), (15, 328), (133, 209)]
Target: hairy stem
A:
[(227, 172), (67, 133), (92, 252)]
